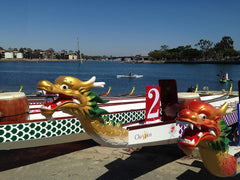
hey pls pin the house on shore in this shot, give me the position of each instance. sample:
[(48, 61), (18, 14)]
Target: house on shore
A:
[(4, 54), (72, 57)]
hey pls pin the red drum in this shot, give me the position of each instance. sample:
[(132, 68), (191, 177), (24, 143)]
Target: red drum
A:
[(13, 107), (184, 99)]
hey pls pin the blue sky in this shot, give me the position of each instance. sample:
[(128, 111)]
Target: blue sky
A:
[(116, 27)]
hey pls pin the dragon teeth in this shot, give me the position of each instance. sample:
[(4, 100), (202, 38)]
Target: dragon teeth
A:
[(58, 103), (200, 134), (187, 140), (44, 92), (76, 101), (191, 126), (186, 124), (45, 107), (199, 127), (212, 132)]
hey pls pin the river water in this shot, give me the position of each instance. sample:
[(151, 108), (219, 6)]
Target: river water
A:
[(15, 74)]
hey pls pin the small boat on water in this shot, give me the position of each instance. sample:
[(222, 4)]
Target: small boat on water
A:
[(224, 78), (130, 75), (25, 126)]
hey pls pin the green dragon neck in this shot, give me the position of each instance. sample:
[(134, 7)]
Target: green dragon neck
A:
[(95, 125), (221, 144), (215, 154)]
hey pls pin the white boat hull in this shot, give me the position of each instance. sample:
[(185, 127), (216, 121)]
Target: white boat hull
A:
[(130, 76), (38, 131)]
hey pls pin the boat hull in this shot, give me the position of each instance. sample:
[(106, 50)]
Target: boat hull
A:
[(38, 131), (128, 76)]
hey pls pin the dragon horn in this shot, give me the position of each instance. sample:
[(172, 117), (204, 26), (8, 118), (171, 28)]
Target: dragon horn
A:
[(223, 108), (99, 84), (89, 82)]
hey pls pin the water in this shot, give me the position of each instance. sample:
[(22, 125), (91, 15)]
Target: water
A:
[(15, 74)]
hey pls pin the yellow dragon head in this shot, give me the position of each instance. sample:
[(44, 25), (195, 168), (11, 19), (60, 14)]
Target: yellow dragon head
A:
[(74, 97)]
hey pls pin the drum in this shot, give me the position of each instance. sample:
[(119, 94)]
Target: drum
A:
[(13, 107), (184, 99)]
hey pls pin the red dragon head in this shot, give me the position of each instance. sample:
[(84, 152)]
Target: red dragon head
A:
[(203, 124)]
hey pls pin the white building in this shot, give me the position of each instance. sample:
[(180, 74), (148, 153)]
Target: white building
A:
[(19, 55), (72, 57), (11, 55), (8, 55)]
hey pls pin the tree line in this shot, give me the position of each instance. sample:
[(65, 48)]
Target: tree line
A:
[(50, 53), (222, 50), (205, 51)]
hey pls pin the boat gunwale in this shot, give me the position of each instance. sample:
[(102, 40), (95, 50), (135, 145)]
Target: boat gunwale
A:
[(64, 117)]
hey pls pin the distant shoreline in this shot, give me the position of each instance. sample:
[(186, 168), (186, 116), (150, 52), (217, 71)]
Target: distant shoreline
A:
[(34, 60), (137, 62)]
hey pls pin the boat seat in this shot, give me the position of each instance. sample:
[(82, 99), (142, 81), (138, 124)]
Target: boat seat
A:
[(169, 99)]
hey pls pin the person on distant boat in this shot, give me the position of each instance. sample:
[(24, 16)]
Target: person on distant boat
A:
[(130, 74), (191, 89)]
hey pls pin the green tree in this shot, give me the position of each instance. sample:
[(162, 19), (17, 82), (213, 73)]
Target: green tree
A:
[(24, 52), (63, 54), (1, 55), (191, 54), (36, 54), (29, 53), (205, 46), (178, 53), (228, 53), (227, 42), (156, 54), (164, 47), (50, 53), (221, 48)]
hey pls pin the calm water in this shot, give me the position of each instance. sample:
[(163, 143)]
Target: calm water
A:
[(15, 74)]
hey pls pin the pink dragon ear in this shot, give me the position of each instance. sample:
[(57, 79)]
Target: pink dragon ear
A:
[(223, 109)]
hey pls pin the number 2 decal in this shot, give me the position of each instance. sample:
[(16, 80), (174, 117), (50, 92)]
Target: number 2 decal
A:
[(152, 114), (152, 103)]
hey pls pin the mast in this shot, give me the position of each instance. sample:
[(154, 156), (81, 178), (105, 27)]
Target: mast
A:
[(79, 52)]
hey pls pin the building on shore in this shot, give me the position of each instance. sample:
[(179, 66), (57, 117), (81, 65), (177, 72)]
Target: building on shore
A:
[(11, 54), (72, 57)]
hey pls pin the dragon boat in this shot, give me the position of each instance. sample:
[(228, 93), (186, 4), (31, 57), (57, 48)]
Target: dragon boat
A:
[(205, 126), (29, 128), (72, 112)]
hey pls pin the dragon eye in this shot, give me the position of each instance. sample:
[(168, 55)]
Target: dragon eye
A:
[(202, 116), (64, 86)]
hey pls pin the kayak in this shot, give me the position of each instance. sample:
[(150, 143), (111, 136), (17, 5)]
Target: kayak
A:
[(130, 76)]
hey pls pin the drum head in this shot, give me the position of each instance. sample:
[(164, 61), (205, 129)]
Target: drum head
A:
[(11, 95), (189, 95)]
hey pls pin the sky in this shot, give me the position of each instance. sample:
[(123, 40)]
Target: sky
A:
[(116, 27)]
